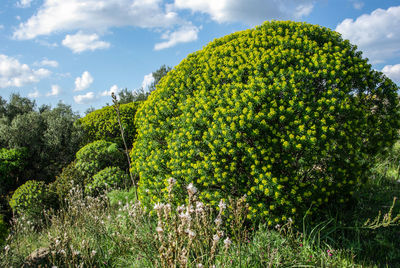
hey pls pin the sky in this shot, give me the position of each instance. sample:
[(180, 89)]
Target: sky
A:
[(79, 51)]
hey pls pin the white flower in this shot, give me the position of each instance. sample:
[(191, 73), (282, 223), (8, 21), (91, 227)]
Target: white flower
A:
[(159, 229), (227, 242), (218, 221), (191, 233), (216, 237), (94, 252), (158, 206), (199, 265), (7, 248), (222, 205), (180, 209), (191, 189), (199, 207)]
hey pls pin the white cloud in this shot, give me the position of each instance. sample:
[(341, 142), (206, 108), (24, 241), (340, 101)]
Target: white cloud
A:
[(1, 26), (55, 91), (80, 42), (47, 62), (183, 35), (147, 80), (24, 3), (114, 89), (376, 34), (34, 94), (248, 11), (15, 74), (87, 98), (95, 16), (83, 82), (393, 72)]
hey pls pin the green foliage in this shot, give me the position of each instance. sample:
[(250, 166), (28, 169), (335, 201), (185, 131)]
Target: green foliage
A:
[(50, 136), (286, 113), (98, 155), (106, 179), (12, 163), (31, 198), (121, 197), (102, 124), (69, 177), (3, 230)]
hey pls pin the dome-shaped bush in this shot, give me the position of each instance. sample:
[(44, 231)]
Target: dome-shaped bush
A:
[(102, 124), (98, 155), (31, 198), (286, 113), (106, 179)]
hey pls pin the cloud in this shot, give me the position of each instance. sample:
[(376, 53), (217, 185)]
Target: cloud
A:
[(393, 72), (182, 35), (15, 74), (80, 42), (86, 98), (114, 89), (95, 16), (24, 3), (147, 80), (47, 62), (1, 26), (83, 82), (248, 11), (35, 94), (55, 91), (358, 5), (376, 34)]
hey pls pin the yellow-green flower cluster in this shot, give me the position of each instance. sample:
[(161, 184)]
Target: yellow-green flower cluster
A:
[(286, 113)]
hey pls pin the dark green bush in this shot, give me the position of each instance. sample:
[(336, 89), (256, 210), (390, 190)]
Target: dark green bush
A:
[(3, 230), (98, 155), (106, 179), (31, 198), (102, 124), (12, 163), (287, 113), (70, 176)]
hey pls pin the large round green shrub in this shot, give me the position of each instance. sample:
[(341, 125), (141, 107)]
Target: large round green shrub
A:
[(31, 198), (98, 155), (102, 124), (106, 179), (286, 113)]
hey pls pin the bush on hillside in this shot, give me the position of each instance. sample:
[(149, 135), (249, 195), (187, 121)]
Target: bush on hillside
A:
[(98, 155), (286, 113), (102, 124), (107, 179), (31, 199)]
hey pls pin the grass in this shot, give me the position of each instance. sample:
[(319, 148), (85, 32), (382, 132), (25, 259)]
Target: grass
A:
[(114, 230)]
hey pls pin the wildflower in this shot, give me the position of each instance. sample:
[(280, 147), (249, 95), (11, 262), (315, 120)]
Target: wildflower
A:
[(159, 229), (218, 221), (199, 265), (94, 253), (171, 181), (222, 205), (180, 209), (158, 206), (216, 238), (199, 207), (191, 233), (191, 189), (227, 242)]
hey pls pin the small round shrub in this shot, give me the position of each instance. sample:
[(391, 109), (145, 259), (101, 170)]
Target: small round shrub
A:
[(106, 179), (102, 124), (287, 113), (31, 198), (98, 155), (69, 177)]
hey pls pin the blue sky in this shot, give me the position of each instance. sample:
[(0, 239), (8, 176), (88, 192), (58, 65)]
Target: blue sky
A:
[(79, 51)]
